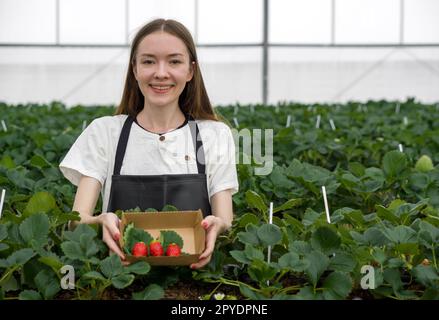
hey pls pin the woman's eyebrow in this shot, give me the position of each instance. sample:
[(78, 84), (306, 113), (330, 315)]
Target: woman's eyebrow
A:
[(153, 56)]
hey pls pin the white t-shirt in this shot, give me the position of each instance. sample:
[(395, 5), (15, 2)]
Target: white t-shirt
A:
[(93, 154)]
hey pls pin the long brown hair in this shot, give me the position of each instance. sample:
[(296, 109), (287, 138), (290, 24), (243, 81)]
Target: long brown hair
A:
[(193, 100)]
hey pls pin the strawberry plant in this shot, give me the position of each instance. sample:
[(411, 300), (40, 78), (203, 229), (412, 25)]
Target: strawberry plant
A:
[(384, 209)]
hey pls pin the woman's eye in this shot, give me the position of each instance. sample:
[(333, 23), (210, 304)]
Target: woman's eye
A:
[(175, 61), (148, 62)]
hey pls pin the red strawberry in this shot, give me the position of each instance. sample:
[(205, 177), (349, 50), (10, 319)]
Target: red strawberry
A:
[(155, 248), (140, 249), (173, 250)]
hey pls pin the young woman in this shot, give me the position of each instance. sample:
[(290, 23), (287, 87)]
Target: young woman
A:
[(164, 145)]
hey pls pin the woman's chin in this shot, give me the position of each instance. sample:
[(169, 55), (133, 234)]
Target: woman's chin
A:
[(161, 103)]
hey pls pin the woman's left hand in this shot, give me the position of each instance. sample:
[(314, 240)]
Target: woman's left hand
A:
[(213, 226)]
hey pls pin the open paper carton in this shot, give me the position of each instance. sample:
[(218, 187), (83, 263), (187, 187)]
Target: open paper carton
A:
[(186, 223)]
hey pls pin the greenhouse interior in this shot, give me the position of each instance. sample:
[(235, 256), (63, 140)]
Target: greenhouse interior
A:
[(280, 150)]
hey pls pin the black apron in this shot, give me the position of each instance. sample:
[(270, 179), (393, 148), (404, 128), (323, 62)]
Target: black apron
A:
[(184, 191)]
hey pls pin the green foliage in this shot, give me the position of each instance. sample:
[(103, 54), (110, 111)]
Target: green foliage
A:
[(169, 236), (384, 208), (151, 292)]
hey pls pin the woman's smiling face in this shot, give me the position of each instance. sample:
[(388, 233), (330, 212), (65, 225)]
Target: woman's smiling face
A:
[(162, 68)]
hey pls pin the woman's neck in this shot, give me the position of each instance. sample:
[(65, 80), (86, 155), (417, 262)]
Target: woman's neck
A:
[(160, 119)]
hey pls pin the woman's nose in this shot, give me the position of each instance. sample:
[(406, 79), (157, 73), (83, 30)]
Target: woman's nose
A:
[(161, 71)]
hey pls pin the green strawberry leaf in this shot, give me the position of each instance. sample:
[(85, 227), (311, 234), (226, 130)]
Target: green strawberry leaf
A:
[(80, 251), (343, 262), (3, 232), (20, 257), (292, 261), (30, 295), (253, 253), (325, 240), (111, 266), (250, 236), (337, 286), (152, 292), (47, 283), (269, 234), (288, 205), (400, 234), (140, 267), (261, 271), (247, 218), (426, 275), (247, 292), (394, 162), (35, 229), (317, 264), (126, 233), (52, 261), (122, 280), (240, 256), (41, 202), (169, 207), (94, 275), (169, 236), (136, 209), (254, 200), (80, 230)]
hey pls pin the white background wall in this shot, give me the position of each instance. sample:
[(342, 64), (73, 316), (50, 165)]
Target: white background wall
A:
[(304, 74)]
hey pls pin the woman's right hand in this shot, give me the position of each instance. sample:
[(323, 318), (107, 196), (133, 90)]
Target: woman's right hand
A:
[(86, 197), (110, 233)]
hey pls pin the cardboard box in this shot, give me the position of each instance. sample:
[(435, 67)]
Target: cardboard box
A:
[(186, 223)]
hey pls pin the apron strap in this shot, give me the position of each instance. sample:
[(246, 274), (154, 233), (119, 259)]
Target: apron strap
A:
[(198, 145), (122, 144), (125, 133)]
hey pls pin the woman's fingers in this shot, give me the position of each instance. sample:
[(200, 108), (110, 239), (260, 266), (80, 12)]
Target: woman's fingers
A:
[(113, 226), (211, 236), (208, 222), (113, 245), (201, 263), (111, 235), (210, 244), (124, 262), (115, 248)]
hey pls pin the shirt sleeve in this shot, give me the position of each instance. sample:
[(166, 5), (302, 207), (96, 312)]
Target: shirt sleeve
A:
[(221, 164), (88, 155)]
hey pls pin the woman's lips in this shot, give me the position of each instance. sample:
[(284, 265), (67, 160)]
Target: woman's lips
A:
[(161, 88)]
